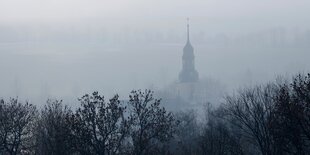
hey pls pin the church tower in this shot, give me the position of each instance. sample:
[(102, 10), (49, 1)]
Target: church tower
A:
[(188, 73)]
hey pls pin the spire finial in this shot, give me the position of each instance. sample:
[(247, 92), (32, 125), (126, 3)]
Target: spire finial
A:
[(187, 29)]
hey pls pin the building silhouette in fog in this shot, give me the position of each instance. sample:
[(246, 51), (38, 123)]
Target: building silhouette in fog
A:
[(188, 72), (190, 91), (188, 86)]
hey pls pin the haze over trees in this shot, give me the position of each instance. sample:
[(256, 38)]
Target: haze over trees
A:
[(154, 77), (267, 119)]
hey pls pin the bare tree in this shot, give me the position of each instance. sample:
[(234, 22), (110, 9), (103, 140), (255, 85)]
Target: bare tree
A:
[(251, 111), (99, 127), (151, 123), (187, 134), (53, 129), (16, 127), (217, 137)]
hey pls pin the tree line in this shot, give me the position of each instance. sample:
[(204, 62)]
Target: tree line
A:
[(267, 119)]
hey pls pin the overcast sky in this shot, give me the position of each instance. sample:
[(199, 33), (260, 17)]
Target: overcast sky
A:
[(69, 47), (21, 11)]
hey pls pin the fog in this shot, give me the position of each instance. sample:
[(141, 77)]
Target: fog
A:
[(66, 48)]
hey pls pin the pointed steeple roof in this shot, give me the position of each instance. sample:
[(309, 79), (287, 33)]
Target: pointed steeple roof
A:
[(188, 73), (188, 41), (188, 48)]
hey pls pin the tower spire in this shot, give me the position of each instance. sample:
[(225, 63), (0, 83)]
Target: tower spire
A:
[(187, 29), (188, 73)]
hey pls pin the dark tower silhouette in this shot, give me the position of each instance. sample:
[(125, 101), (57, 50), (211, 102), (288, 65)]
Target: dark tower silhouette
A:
[(188, 73)]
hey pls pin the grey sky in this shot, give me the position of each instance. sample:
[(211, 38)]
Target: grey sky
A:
[(63, 48), (71, 10)]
